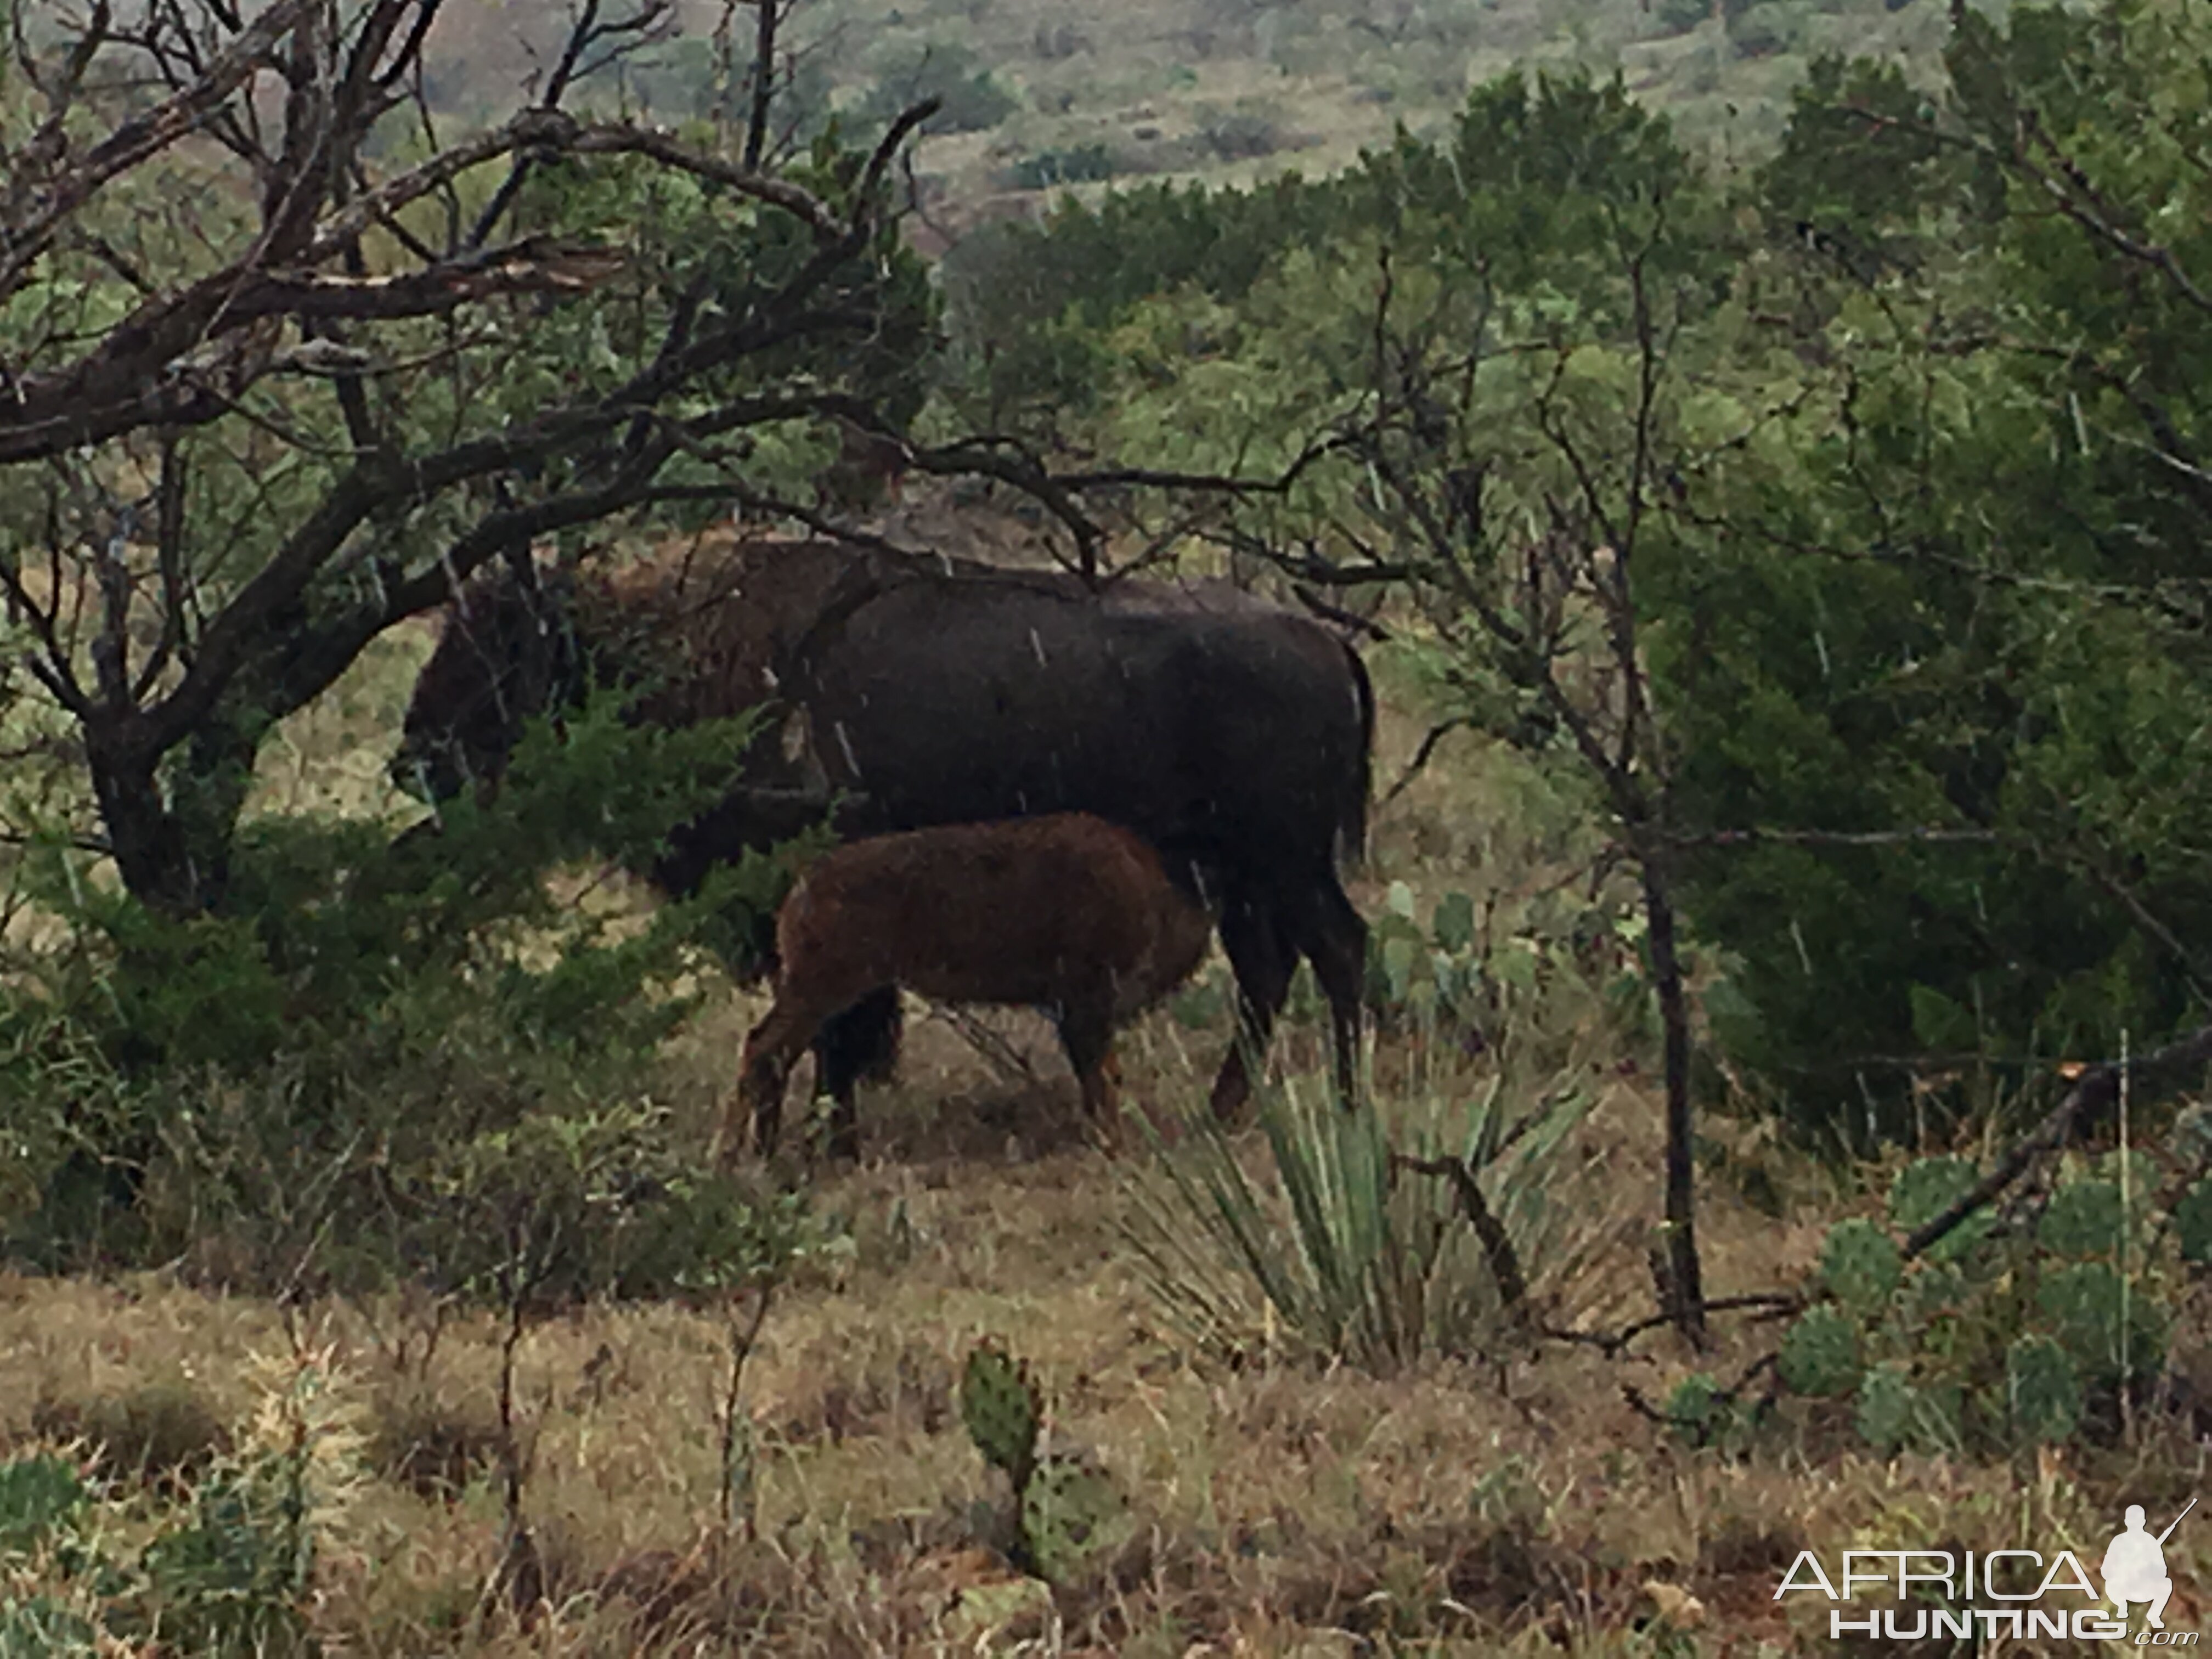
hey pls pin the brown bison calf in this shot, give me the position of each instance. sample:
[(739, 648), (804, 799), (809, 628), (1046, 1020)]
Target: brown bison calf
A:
[(1066, 912)]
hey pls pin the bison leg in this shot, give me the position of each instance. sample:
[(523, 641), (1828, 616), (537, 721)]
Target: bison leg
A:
[(1333, 937), (770, 1047), (1260, 957), (1086, 1032), (860, 1042)]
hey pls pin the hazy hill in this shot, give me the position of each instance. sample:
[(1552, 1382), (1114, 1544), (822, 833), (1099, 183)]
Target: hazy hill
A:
[(1039, 98)]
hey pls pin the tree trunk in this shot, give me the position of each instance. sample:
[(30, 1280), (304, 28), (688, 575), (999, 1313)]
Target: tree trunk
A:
[(170, 824), (1683, 1295)]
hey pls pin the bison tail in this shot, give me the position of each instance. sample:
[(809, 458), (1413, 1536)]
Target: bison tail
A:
[(1351, 825)]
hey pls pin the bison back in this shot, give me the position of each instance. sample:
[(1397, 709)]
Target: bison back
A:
[(1235, 735), (1036, 911)]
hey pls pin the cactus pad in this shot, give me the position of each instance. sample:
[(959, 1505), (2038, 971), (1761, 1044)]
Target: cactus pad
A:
[(2084, 1308), (1932, 1289), (2192, 1223), (1888, 1408), (2043, 1388), (1861, 1265), (1820, 1353), (2083, 1220), (1694, 1405), (1927, 1186), (1000, 1403), (1071, 1513), (37, 1494)]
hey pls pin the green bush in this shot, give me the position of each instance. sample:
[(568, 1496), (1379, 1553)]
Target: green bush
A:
[(974, 99), (301, 1067), (1082, 165), (1770, 27)]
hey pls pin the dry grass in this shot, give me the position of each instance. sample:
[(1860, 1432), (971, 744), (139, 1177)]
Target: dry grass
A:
[(1521, 1508)]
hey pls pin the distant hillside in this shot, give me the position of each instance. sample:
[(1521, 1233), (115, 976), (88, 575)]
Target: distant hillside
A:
[(1040, 99)]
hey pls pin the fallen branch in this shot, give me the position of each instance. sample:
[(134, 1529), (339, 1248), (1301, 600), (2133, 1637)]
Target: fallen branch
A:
[(1414, 767), (1770, 1305), (2094, 1092), (1770, 1361), (1497, 1244)]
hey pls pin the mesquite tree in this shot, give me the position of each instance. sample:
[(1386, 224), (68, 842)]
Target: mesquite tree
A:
[(282, 359)]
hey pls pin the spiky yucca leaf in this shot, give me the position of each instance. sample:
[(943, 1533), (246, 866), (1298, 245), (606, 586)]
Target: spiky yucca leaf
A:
[(1349, 1256)]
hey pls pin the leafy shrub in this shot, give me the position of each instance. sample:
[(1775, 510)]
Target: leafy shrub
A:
[(1082, 165), (1680, 16), (1241, 135), (1536, 968), (365, 1011), (1769, 27), (974, 99)]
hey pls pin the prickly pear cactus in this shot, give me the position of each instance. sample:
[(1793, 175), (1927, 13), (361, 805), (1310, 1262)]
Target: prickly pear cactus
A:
[(1927, 1186), (1888, 1406), (1693, 1405), (1071, 1513), (1931, 1290), (2084, 1218), (1861, 1265), (2192, 1223), (1820, 1353), (2106, 1335), (37, 1493), (2042, 1389), (1000, 1403)]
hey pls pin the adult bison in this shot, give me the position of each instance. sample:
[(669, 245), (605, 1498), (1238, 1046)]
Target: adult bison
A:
[(1232, 734)]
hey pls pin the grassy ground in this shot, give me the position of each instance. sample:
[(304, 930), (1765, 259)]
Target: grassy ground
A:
[(1525, 1505)]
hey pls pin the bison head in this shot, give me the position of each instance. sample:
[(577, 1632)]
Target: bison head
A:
[(506, 653)]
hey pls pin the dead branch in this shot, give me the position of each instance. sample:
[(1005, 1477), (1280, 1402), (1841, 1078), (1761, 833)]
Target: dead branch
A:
[(1497, 1244), (2094, 1092)]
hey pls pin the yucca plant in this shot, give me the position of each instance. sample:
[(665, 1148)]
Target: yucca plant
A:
[(1354, 1255)]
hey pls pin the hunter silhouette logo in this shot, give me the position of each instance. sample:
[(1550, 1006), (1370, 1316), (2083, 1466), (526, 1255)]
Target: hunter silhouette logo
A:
[(2020, 1594), (2135, 1567)]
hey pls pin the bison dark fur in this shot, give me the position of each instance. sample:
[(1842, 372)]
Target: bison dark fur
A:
[(1232, 734), (1066, 912)]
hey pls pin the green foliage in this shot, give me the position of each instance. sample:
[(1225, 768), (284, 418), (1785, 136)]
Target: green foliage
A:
[(1923, 1190), (1694, 1405), (2192, 1223), (1703, 1414), (2043, 1389), (2084, 1218), (1937, 601), (228, 1575), (973, 98), (1888, 1406), (1083, 164), (37, 1494), (222, 1568), (377, 1026), (2003, 1342)]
